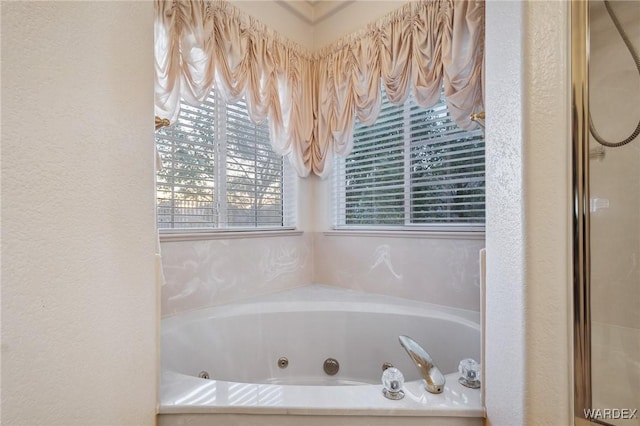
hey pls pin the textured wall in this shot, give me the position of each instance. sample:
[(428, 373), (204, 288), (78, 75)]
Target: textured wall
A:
[(527, 346), (504, 329), (79, 308), (547, 214), (615, 230)]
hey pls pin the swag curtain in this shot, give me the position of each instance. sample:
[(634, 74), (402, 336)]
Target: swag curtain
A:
[(311, 101), (199, 44)]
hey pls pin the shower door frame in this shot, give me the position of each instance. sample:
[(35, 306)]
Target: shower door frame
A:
[(581, 223)]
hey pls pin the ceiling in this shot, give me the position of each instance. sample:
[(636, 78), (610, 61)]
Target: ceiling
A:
[(314, 11)]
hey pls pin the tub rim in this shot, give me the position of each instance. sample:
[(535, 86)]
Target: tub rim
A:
[(317, 298)]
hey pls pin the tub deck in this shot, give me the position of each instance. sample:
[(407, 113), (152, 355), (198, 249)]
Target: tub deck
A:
[(185, 394)]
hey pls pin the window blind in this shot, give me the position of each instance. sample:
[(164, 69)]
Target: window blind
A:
[(412, 167), (219, 171)]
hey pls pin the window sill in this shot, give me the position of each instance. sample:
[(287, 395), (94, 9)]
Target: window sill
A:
[(171, 236), (401, 233)]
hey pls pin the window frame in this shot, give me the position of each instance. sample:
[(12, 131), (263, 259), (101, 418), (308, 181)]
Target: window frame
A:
[(218, 149), (339, 214)]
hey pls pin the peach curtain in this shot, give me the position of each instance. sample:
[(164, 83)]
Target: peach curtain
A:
[(199, 44), (312, 100)]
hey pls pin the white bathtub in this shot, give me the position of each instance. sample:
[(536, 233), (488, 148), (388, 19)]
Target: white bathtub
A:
[(239, 345)]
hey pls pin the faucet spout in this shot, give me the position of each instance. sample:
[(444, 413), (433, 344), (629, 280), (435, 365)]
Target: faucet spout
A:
[(430, 373)]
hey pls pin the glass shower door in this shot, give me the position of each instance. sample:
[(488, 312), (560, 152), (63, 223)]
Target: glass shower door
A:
[(614, 192)]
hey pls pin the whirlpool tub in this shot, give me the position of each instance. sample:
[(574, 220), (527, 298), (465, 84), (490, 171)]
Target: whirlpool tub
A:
[(261, 361)]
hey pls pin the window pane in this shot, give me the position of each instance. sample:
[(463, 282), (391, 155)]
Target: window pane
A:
[(254, 172), (219, 171), (374, 171), (186, 183), (413, 166), (447, 169)]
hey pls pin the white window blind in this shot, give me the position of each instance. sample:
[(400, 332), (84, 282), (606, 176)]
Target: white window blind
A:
[(414, 167), (219, 171)]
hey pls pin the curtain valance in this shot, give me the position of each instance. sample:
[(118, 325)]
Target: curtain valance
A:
[(311, 100), (199, 44)]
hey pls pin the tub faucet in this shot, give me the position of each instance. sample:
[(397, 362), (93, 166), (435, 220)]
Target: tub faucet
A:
[(427, 369)]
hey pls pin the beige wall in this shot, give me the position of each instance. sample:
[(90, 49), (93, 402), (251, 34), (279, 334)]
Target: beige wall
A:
[(527, 345), (279, 18), (79, 308), (333, 21), (351, 18)]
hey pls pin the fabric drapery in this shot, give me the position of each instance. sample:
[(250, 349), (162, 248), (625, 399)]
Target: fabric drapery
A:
[(311, 100), (200, 44)]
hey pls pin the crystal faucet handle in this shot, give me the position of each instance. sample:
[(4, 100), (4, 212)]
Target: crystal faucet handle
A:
[(469, 370), (392, 382)]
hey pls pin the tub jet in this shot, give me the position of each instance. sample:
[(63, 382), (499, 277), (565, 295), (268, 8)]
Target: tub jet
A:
[(331, 366)]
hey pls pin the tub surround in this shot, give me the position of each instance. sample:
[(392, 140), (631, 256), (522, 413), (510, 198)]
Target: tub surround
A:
[(444, 271), (201, 274)]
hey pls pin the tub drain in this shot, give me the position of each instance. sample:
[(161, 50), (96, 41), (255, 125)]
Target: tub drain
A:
[(203, 375), (331, 366)]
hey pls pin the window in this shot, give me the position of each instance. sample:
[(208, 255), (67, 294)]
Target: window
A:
[(413, 168), (219, 171)]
